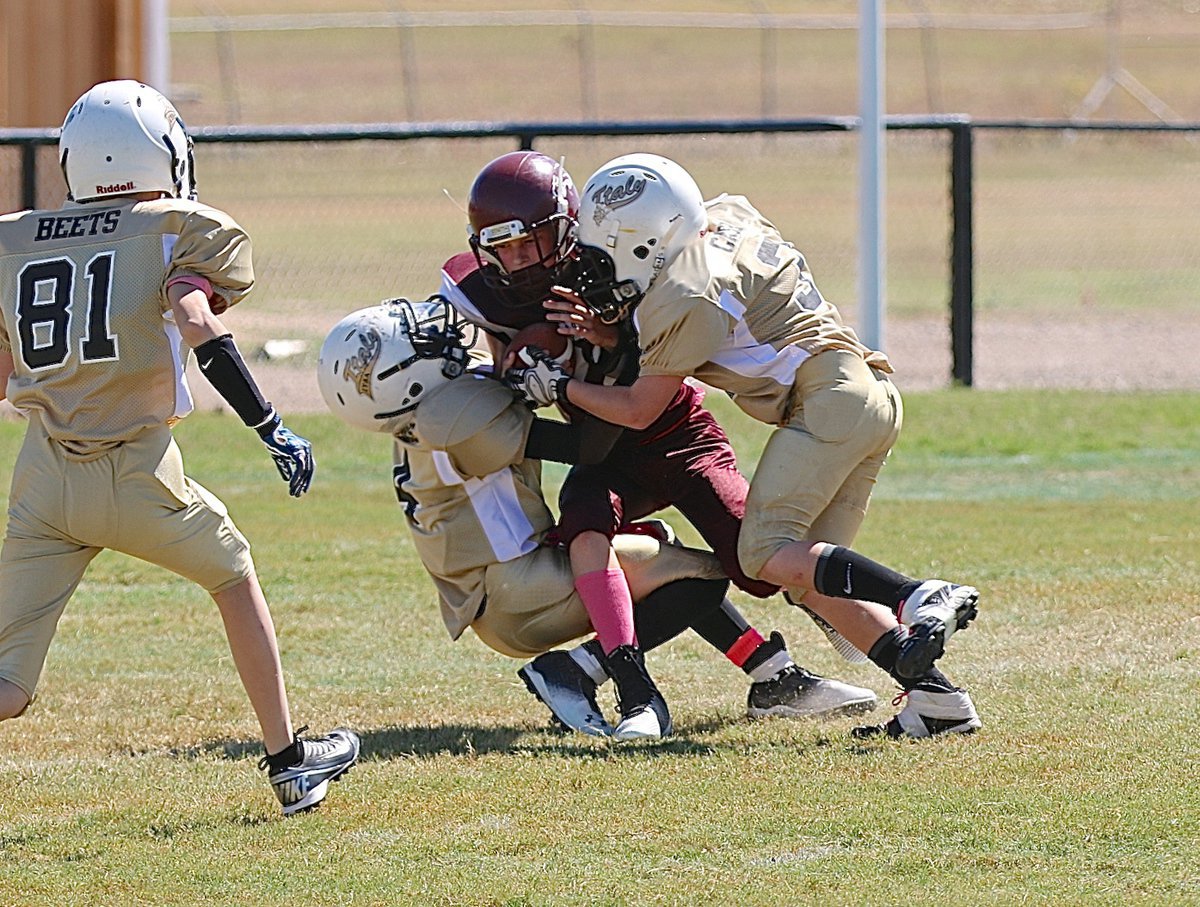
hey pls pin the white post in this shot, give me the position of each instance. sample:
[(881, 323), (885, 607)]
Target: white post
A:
[(156, 46), (871, 189)]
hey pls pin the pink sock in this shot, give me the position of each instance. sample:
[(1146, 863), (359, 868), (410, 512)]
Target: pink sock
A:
[(606, 597)]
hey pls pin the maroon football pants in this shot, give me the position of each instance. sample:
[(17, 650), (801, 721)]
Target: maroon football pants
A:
[(691, 466)]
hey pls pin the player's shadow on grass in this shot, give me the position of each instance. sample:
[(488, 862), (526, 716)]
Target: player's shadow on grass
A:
[(423, 741)]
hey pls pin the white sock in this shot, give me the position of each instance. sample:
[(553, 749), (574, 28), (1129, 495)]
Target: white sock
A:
[(771, 668)]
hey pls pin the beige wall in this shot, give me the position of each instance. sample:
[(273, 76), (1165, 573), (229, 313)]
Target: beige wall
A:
[(54, 50)]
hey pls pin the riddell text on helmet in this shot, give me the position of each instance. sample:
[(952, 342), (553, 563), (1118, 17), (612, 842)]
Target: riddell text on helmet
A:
[(115, 187)]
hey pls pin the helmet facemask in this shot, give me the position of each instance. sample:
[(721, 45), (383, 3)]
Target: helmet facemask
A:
[(523, 195), (436, 331), (554, 240), (597, 285)]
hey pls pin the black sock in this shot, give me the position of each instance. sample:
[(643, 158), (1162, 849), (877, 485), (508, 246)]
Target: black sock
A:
[(883, 653), (669, 610), (287, 757), (721, 627), (842, 573), (886, 649)]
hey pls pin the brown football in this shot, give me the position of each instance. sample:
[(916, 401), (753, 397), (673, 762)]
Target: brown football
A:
[(543, 335)]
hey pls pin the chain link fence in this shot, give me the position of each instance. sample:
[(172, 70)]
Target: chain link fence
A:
[(248, 61)]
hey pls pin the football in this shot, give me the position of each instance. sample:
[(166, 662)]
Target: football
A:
[(543, 335)]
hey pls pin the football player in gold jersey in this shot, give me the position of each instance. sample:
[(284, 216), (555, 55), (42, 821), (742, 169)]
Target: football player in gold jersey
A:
[(466, 451), (102, 302), (715, 293)]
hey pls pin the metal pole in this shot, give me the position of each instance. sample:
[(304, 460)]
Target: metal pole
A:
[(872, 246), (962, 265), (156, 46)]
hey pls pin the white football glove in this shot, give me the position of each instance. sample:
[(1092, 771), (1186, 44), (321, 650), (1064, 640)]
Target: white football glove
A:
[(543, 382)]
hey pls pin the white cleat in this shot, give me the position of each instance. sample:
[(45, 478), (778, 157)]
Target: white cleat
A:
[(797, 693), (643, 724), (928, 713), (933, 612)]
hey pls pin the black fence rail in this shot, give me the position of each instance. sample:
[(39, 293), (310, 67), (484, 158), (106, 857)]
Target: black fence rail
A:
[(960, 131)]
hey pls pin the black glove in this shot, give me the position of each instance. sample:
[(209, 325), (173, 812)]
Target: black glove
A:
[(292, 454)]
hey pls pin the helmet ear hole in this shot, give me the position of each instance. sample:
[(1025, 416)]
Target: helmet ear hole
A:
[(642, 252)]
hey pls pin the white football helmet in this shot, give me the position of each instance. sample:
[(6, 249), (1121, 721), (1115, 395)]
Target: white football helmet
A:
[(123, 137), (637, 213), (378, 363)]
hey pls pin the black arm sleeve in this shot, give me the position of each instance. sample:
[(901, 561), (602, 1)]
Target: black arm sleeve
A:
[(585, 442), (221, 363)]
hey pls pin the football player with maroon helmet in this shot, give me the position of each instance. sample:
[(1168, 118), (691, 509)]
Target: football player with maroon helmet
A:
[(523, 212)]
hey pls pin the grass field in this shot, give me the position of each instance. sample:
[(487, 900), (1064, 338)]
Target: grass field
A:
[(132, 780), (966, 57)]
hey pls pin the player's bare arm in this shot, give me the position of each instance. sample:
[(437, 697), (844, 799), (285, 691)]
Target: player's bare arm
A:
[(544, 382), (635, 406), (193, 316)]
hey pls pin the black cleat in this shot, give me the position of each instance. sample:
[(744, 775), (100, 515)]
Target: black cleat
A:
[(565, 688), (644, 712)]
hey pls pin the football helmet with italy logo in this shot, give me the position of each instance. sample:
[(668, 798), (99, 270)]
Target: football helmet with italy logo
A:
[(637, 213), (378, 363)]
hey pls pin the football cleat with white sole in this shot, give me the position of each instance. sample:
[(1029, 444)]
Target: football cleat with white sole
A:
[(644, 713), (302, 786), (797, 693), (560, 684), (933, 612), (928, 713)]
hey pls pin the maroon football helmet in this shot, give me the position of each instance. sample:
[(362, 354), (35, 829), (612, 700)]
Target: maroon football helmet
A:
[(518, 195)]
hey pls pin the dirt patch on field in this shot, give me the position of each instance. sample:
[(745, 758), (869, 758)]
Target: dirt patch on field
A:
[(1090, 352), (1095, 351)]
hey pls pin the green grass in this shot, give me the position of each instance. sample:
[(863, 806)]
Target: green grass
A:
[(132, 779)]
